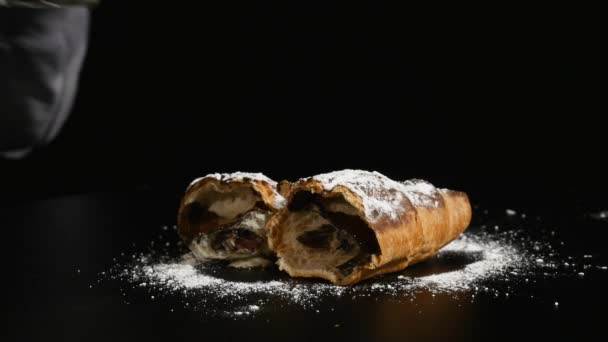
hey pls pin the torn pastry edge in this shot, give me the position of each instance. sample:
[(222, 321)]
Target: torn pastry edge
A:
[(315, 187), (265, 190)]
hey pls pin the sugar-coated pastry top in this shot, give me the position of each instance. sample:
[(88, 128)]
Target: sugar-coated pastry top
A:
[(380, 195), (279, 201), (238, 176)]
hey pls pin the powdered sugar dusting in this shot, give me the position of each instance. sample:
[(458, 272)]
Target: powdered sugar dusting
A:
[(237, 176), (494, 258), (422, 193), (205, 287), (490, 260), (381, 196), (180, 276), (279, 201)]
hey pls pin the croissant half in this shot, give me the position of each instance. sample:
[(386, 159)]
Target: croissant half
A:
[(223, 216), (351, 225)]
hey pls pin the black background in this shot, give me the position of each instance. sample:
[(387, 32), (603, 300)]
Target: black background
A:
[(56, 250), (498, 98), (501, 103)]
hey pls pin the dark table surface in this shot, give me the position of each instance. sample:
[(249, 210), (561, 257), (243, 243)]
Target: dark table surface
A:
[(57, 248)]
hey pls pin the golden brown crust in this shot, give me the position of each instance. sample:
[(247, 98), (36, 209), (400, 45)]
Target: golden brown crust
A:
[(422, 237), (416, 234), (265, 189), (284, 187)]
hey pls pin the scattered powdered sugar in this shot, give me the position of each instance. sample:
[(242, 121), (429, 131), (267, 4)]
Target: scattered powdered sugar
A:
[(179, 276), (494, 259), (600, 215), (461, 266), (206, 283), (483, 262), (381, 196)]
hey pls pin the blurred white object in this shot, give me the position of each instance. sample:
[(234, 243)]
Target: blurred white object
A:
[(47, 3), (41, 54)]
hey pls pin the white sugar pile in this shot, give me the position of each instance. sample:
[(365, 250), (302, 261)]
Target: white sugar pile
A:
[(495, 260)]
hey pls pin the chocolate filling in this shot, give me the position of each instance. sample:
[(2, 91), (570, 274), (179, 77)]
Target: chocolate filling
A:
[(359, 260), (356, 227), (349, 230), (197, 213), (346, 244), (318, 238), (260, 205), (236, 239), (198, 220), (202, 221), (303, 200)]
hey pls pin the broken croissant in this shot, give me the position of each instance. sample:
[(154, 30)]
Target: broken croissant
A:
[(350, 225), (223, 216)]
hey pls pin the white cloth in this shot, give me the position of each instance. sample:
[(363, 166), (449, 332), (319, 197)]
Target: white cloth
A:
[(41, 54)]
